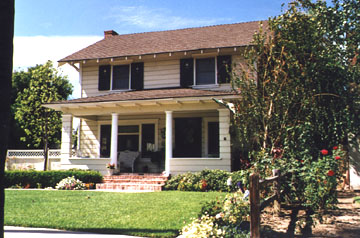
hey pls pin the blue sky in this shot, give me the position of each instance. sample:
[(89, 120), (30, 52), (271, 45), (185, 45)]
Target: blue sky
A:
[(92, 17), (52, 29)]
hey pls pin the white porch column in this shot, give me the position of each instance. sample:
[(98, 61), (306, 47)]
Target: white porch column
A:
[(66, 132), (114, 139), (168, 141), (224, 137)]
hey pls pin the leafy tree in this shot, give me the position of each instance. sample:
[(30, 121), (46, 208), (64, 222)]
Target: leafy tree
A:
[(20, 81), (299, 94), (41, 125), (6, 48)]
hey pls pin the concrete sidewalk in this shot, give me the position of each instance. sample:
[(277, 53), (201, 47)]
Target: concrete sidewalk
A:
[(26, 232)]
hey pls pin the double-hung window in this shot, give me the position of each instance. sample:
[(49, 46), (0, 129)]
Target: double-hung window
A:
[(205, 71), (121, 77)]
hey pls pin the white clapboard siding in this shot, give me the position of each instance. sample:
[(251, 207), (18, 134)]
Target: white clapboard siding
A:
[(162, 74), (89, 145), (183, 165)]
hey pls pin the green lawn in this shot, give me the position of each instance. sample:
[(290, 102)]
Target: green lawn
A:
[(158, 214)]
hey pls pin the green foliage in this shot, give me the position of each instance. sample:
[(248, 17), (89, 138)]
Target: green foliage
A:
[(208, 180), (221, 218), (357, 199), (300, 94), (32, 178), (34, 87)]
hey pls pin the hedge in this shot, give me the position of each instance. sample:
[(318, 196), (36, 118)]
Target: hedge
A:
[(43, 179), (208, 180)]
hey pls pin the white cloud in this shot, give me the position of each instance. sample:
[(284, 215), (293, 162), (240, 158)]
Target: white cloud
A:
[(155, 18), (32, 50)]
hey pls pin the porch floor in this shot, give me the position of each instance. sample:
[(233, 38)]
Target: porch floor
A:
[(130, 182)]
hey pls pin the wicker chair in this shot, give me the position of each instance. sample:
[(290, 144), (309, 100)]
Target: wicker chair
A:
[(127, 159)]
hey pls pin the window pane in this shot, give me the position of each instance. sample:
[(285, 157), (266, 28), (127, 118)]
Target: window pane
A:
[(120, 77), (128, 129), (148, 138), (205, 71), (213, 138), (188, 139), (105, 137), (128, 142)]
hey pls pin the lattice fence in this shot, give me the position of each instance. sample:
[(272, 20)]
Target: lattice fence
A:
[(32, 154)]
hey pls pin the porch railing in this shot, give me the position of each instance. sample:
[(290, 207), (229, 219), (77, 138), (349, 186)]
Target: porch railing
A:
[(33, 154)]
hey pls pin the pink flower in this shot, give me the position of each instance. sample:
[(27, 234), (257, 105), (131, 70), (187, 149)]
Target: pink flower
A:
[(335, 148), (331, 173), (324, 152), (337, 157)]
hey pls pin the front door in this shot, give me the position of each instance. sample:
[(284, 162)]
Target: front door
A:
[(187, 137)]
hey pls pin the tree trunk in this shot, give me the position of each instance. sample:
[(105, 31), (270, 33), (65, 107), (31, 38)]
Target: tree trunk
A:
[(46, 142), (7, 11)]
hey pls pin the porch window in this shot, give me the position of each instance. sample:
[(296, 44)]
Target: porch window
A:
[(129, 138), (148, 139), (188, 137), (105, 140), (213, 139)]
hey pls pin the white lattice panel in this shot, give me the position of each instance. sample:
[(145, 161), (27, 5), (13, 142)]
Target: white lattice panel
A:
[(31, 154)]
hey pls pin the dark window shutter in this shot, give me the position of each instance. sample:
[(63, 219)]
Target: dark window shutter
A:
[(224, 68), (186, 72), (137, 76), (104, 77)]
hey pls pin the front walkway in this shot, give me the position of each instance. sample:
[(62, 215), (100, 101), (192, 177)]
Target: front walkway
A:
[(26, 232)]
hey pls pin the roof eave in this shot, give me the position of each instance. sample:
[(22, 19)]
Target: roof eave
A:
[(79, 60)]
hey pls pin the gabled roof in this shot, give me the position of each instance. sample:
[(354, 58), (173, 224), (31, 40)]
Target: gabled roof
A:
[(210, 37)]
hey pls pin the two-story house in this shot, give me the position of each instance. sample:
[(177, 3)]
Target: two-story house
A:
[(154, 93)]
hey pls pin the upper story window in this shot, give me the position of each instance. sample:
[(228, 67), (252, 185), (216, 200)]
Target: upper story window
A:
[(205, 71), (121, 77)]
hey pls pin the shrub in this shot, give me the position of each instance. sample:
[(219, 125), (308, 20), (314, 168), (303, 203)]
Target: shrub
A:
[(227, 218), (70, 183), (36, 179), (216, 179), (208, 180)]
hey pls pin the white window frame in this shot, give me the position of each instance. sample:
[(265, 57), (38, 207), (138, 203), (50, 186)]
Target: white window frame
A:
[(216, 84)]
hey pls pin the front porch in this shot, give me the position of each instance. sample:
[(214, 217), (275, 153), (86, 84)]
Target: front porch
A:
[(171, 135)]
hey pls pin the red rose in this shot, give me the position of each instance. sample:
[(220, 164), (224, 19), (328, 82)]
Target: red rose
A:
[(335, 148), (337, 157), (324, 152), (331, 173)]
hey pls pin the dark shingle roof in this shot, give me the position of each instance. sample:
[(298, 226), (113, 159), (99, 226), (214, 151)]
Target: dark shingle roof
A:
[(210, 37), (153, 94)]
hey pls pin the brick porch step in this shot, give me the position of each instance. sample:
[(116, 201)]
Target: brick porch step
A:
[(133, 182)]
